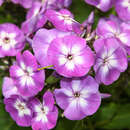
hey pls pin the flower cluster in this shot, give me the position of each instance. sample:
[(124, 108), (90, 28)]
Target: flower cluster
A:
[(80, 56)]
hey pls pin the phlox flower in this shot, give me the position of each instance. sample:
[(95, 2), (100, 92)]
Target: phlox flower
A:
[(57, 4), (11, 40), (62, 20), (19, 109), (42, 41), (27, 78), (103, 5), (9, 88), (123, 9), (113, 27), (70, 56), (111, 60), (1, 2), (24, 3), (35, 18), (78, 97), (45, 113), (110, 28)]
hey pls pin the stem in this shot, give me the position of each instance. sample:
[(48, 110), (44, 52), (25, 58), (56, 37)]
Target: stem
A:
[(128, 56), (46, 67)]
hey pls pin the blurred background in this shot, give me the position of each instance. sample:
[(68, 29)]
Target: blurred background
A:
[(114, 112)]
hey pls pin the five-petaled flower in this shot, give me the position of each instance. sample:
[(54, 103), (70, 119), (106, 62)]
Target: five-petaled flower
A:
[(28, 80), (73, 58)]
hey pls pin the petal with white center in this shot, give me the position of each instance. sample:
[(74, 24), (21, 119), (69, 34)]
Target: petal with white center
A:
[(78, 60), (19, 72), (67, 92), (3, 35), (12, 43), (30, 71), (104, 69), (82, 102), (104, 55), (27, 80), (85, 93), (12, 35), (70, 65), (76, 85), (62, 60), (75, 49), (23, 66), (41, 117), (113, 63), (64, 50), (6, 47), (73, 111), (124, 38), (38, 108), (22, 111), (26, 111), (68, 21)]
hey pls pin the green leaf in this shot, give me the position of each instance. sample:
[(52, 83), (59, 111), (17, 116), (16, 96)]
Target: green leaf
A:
[(122, 118), (65, 124), (5, 119), (16, 127), (81, 10), (52, 80), (1, 80), (105, 114)]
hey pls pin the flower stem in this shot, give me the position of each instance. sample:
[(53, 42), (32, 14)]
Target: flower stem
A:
[(46, 67)]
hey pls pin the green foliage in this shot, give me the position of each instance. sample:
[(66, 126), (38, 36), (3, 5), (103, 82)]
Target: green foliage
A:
[(5, 119), (80, 10)]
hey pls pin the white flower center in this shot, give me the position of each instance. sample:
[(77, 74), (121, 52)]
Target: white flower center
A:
[(70, 58), (107, 61), (25, 73), (126, 3), (42, 112), (22, 108), (7, 40)]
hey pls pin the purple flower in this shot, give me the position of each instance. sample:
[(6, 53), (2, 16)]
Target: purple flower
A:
[(11, 40), (1, 2), (73, 58), (28, 80), (41, 42), (45, 113), (78, 97), (35, 18), (9, 88), (111, 59), (103, 5), (116, 29), (24, 3), (57, 4), (62, 20), (19, 110), (123, 9)]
